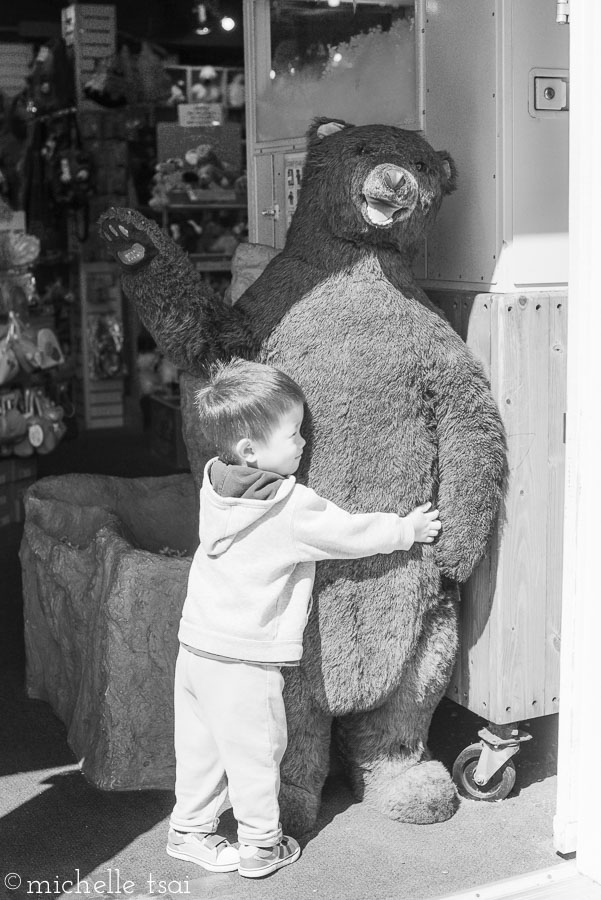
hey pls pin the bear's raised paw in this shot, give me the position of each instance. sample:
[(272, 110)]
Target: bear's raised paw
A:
[(129, 243)]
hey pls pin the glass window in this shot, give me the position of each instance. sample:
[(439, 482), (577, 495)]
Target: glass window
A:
[(339, 58)]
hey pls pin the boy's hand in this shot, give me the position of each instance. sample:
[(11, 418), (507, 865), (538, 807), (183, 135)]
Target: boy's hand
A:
[(425, 524)]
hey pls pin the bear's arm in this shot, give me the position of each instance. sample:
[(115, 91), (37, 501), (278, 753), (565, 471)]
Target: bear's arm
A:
[(190, 324), (472, 457)]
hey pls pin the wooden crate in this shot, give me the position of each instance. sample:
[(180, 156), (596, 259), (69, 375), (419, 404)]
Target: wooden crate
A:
[(508, 664)]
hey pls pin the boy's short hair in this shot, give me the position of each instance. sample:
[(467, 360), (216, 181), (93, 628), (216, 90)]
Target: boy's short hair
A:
[(244, 399)]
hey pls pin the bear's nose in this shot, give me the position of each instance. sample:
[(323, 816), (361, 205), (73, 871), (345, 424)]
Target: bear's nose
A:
[(394, 177)]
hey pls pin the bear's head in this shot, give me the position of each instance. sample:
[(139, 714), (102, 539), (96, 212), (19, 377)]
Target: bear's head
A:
[(372, 183)]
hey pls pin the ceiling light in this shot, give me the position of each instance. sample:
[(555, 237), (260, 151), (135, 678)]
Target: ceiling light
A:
[(227, 23)]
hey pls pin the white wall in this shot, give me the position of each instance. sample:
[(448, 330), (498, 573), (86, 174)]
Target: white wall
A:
[(578, 819)]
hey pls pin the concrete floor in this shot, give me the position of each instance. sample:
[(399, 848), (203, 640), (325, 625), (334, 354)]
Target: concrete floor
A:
[(56, 828)]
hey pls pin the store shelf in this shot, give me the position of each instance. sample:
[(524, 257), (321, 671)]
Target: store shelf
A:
[(210, 203), (211, 263)]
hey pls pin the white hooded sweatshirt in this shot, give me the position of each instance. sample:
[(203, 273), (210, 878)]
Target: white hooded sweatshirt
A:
[(250, 583)]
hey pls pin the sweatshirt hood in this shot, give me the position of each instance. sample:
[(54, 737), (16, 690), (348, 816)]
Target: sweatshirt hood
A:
[(229, 480), (223, 518)]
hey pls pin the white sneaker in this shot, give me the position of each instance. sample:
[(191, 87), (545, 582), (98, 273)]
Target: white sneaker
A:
[(255, 862), (211, 851)]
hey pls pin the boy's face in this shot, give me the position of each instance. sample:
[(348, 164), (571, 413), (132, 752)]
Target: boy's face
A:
[(282, 450)]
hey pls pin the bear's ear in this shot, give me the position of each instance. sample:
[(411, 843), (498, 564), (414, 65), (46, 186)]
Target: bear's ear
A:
[(322, 127), (449, 172)]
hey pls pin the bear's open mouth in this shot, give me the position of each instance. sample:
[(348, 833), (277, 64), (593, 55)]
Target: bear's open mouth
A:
[(390, 193), (384, 212)]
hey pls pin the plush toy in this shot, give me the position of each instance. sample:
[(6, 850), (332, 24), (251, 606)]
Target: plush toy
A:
[(199, 170), (399, 412), (166, 179), (207, 169)]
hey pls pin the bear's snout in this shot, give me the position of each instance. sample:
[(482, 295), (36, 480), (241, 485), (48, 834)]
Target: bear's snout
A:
[(390, 193)]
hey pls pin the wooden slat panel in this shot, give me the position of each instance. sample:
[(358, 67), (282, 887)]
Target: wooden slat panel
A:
[(508, 665), (106, 397), (556, 475), (104, 385), (517, 621), (105, 409), (107, 422)]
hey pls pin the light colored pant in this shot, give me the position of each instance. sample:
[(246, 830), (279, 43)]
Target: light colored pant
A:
[(230, 737)]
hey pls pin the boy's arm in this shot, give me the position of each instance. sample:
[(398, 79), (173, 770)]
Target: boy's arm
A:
[(322, 530)]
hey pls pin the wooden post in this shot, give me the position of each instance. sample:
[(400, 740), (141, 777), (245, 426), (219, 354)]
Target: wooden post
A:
[(577, 823)]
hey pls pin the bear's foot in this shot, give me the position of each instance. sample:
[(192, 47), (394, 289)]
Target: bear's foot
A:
[(420, 795), (298, 809), (128, 237)]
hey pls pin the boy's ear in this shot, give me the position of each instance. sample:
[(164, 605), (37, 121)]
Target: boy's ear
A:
[(244, 450)]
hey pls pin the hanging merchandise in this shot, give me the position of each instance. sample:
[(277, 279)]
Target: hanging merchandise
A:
[(24, 344), (50, 421), (13, 424), (107, 85), (18, 251), (44, 218), (51, 82), (31, 350), (105, 341), (9, 364), (13, 136), (34, 434), (155, 84), (49, 349), (72, 173), (18, 292), (40, 426)]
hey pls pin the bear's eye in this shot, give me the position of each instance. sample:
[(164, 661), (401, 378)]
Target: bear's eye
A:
[(420, 166)]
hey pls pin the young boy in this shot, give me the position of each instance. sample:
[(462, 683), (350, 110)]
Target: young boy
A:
[(247, 604)]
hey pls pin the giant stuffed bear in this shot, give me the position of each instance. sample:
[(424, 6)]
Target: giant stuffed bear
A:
[(399, 412)]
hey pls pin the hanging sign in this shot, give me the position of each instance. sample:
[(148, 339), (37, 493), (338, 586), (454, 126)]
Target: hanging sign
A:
[(197, 115)]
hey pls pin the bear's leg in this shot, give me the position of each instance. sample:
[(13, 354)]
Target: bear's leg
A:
[(306, 761), (385, 750)]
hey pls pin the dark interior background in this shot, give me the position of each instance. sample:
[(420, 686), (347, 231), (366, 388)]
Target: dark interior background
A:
[(168, 23)]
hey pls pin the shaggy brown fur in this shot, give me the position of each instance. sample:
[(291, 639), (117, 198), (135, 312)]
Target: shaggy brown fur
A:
[(399, 412)]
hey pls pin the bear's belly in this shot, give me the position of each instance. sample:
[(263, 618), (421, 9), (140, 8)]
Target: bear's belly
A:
[(371, 447)]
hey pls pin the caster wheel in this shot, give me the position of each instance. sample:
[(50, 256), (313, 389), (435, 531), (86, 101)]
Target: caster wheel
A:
[(497, 788)]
